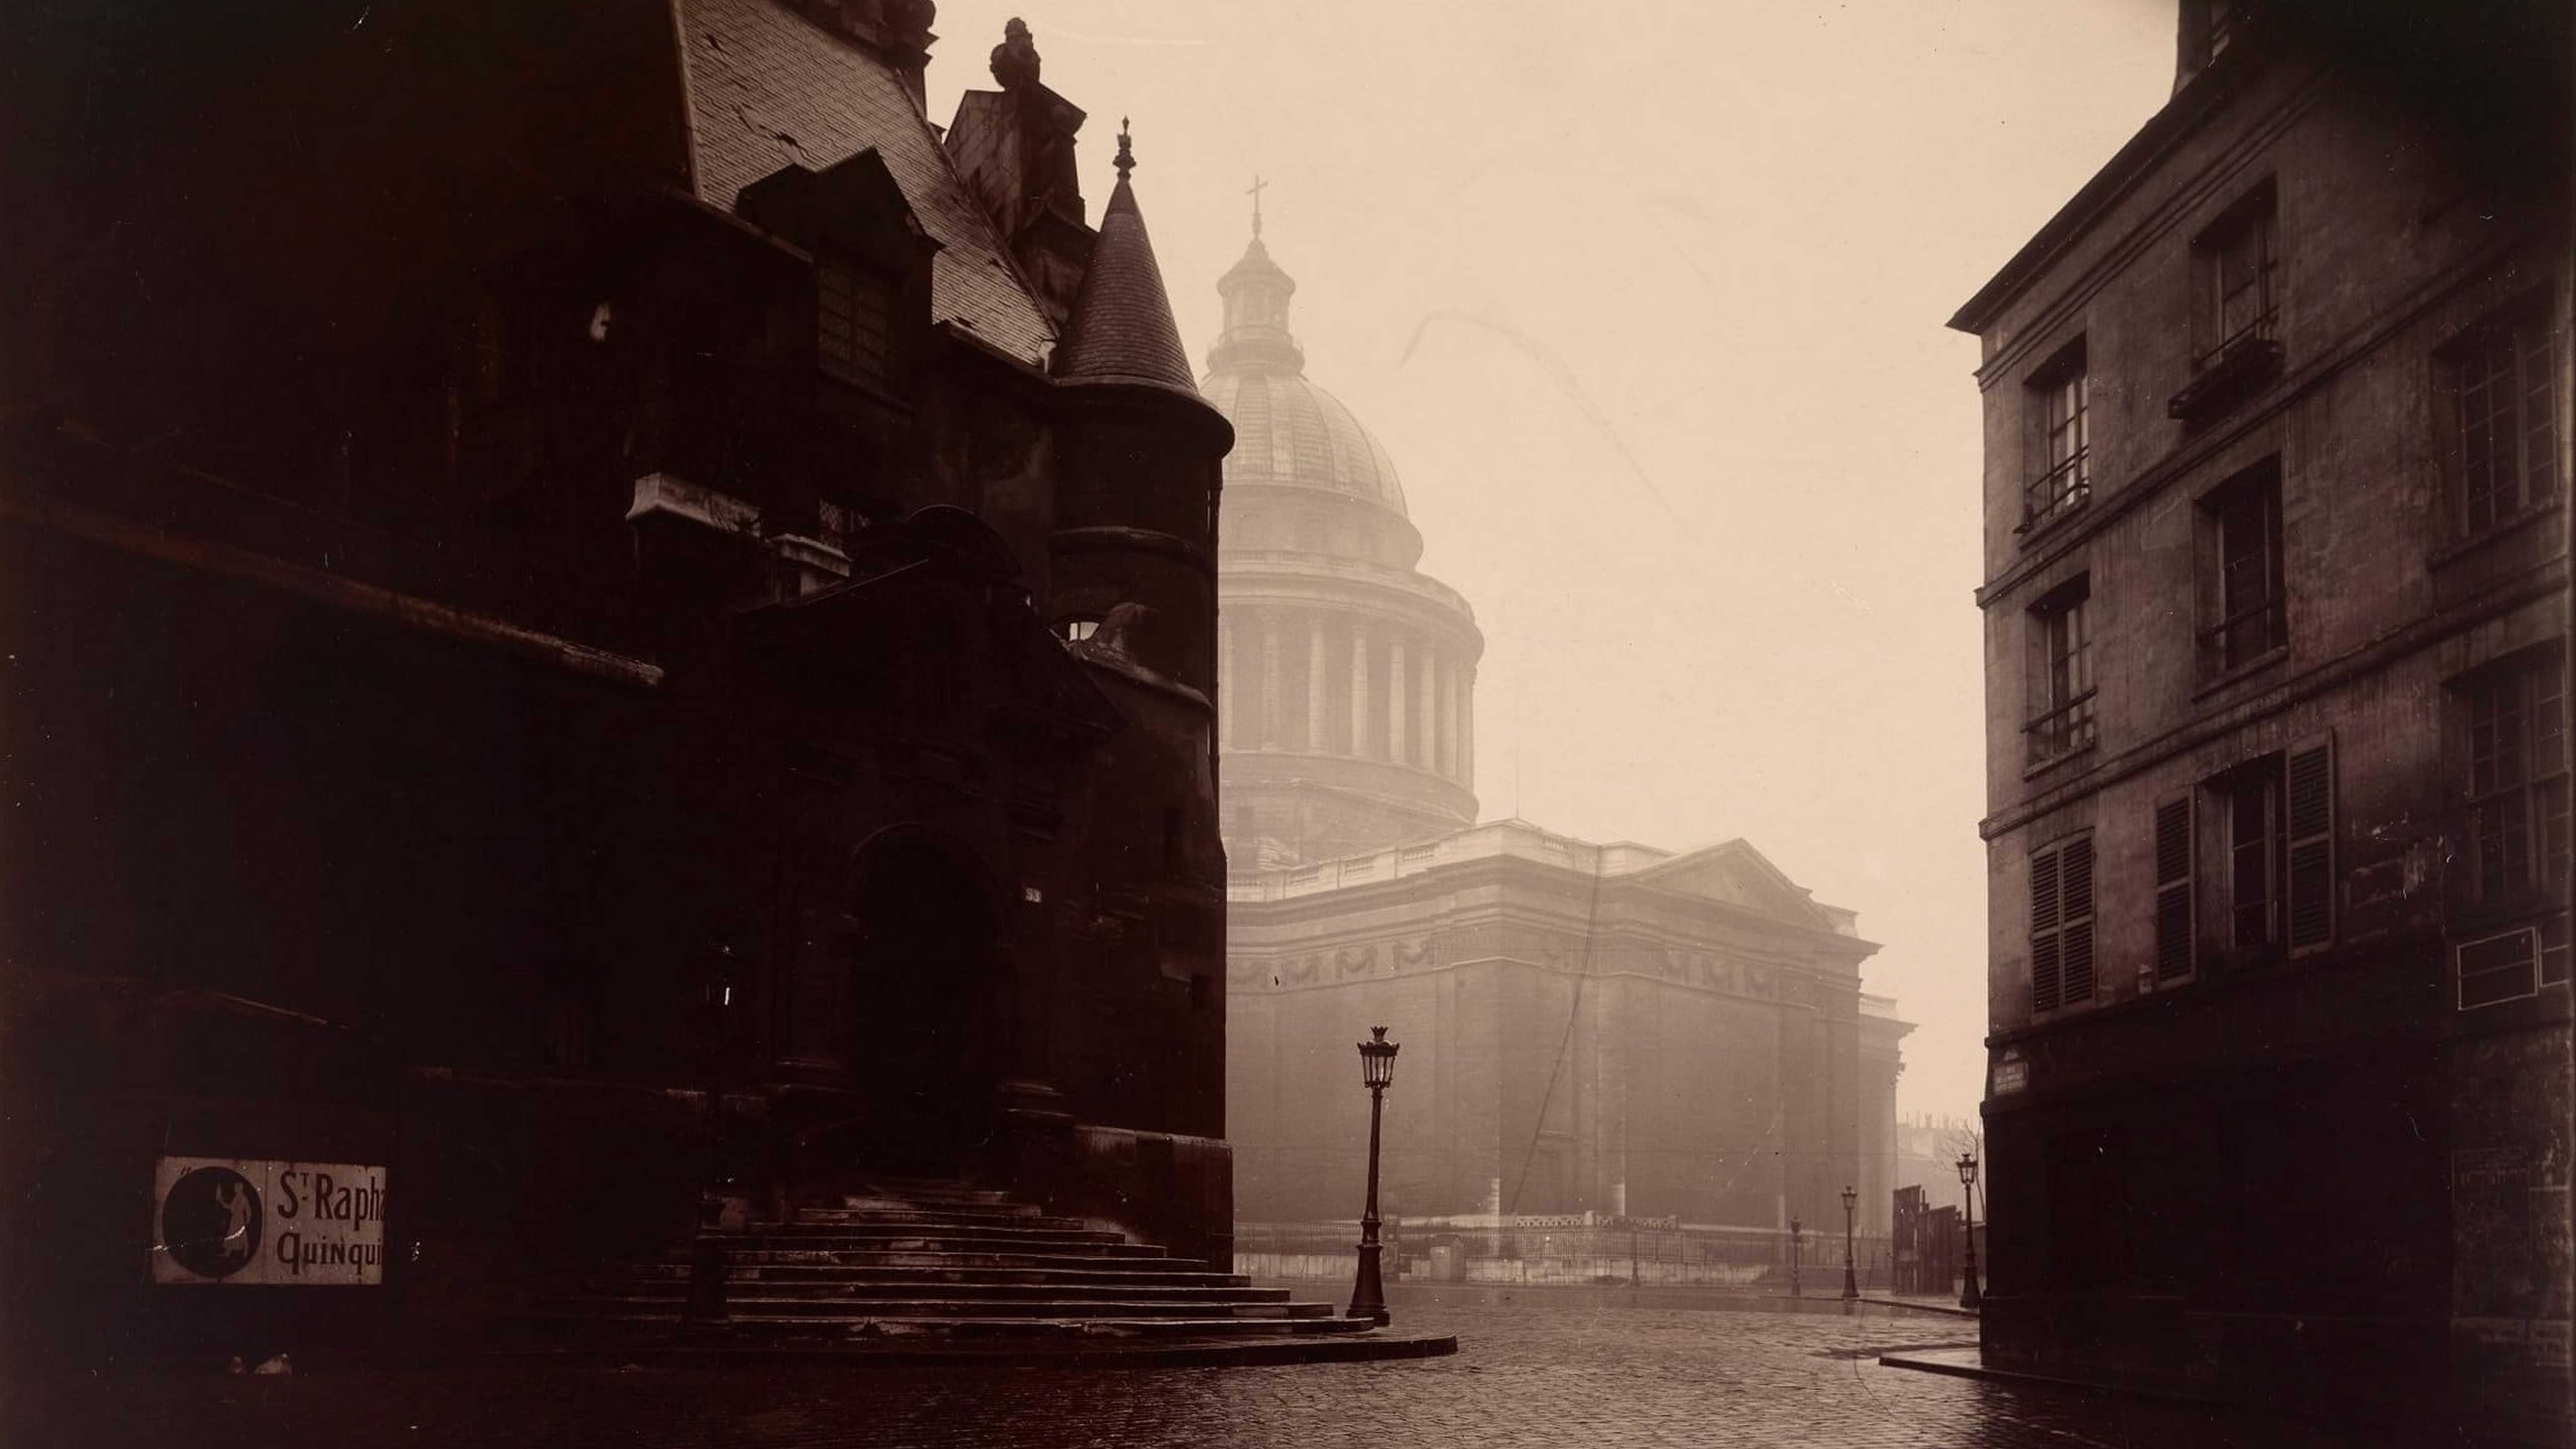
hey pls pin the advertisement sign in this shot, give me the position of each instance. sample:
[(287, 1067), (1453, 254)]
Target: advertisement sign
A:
[(247, 1220)]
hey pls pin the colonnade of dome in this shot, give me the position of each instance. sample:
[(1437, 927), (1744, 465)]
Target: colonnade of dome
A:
[(1329, 681)]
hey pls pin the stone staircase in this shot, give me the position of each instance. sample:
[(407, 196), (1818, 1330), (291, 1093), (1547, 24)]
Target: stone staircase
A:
[(929, 1263)]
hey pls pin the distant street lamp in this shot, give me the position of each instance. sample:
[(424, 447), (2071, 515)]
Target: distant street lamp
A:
[(1969, 1297), (1851, 1206), (1793, 1259), (1377, 1070)]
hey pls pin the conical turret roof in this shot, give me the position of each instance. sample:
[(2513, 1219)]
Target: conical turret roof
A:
[(1121, 329)]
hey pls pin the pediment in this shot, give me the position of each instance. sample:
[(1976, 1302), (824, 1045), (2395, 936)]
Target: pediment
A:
[(1736, 874)]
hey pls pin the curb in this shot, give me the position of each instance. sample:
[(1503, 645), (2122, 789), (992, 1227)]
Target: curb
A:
[(1949, 1310)]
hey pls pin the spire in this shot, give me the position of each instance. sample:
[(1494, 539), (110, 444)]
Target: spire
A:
[(1121, 329), (1256, 293)]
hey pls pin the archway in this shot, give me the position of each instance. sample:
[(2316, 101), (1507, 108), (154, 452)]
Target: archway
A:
[(928, 1000)]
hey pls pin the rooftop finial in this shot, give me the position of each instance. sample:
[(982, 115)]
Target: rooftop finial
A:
[(1126, 161), (1258, 186), (1015, 60)]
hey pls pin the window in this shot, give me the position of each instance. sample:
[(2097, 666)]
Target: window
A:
[(2257, 850), (2061, 477), (2498, 390), (2061, 924), (2061, 673), (1079, 627), (2513, 964), (2240, 267), (2247, 600), (2518, 806), (850, 315)]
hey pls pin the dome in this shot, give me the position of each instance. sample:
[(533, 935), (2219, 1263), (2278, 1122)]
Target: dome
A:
[(1346, 676), (1291, 432)]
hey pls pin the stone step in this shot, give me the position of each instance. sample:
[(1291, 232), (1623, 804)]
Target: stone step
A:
[(1025, 1215), (742, 1306), (1137, 1257), (871, 1290), (893, 1326), (876, 1230), (1158, 1271)]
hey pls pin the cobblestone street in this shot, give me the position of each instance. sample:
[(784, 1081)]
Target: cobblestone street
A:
[(1522, 1376)]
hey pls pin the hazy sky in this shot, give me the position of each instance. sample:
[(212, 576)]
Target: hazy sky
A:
[(1646, 303)]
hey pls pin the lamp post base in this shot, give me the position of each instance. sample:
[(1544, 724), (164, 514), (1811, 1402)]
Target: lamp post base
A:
[(1368, 1292)]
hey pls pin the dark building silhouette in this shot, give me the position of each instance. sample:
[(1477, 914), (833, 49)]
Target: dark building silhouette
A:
[(2276, 603), (593, 613)]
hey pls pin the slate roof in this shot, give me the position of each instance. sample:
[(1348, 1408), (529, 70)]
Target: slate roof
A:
[(1122, 328), (766, 87)]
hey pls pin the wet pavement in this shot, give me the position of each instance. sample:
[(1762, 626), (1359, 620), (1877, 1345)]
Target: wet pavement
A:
[(1524, 1375)]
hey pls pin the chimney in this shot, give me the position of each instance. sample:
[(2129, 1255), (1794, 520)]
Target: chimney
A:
[(895, 31), (1014, 146)]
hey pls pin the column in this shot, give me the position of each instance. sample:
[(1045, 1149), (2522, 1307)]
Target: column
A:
[(1444, 743), (1427, 716), (1225, 684), (1467, 727), (1317, 722), (1396, 680), (1359, 690), (1265, 724)]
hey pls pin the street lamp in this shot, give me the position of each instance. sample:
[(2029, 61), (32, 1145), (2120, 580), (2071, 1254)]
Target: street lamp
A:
[(1793, 1259), (1969, 1297), (1377, 1069), (1851, 1206)]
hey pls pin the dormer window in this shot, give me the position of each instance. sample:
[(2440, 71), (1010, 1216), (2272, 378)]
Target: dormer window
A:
[(1078, 628), (851, 308)]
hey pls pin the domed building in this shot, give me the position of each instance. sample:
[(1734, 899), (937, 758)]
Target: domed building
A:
[(1631, 1036), (1347, 675)]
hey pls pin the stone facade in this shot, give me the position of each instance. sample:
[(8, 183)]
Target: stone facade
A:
[(2276, 601), (539, 656), (1587, 1028)]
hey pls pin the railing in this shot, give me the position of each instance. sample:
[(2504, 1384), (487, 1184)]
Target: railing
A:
[(1606, 1252), (2245, 636), (2066, 486), (2062, 730)]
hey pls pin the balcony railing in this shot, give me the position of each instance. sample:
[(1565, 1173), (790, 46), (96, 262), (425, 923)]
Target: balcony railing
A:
[(2065, 487), (2063, 730), (2247, 635)]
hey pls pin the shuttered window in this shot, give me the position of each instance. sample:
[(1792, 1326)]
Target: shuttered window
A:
[(2311, 829), (2061, 925), (2176, 939)]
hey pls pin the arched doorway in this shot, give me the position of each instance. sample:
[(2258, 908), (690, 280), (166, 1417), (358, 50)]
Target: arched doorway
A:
[(928, 996)]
